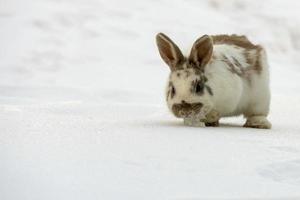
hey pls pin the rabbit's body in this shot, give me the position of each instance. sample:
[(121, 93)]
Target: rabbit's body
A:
[(246, 85), (225, 74)]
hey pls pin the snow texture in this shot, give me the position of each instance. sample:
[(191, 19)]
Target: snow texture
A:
[(83, 112)]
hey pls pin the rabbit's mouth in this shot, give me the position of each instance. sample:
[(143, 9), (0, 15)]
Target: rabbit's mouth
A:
[(187, 110)]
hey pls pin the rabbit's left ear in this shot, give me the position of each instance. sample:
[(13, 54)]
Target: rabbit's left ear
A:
[(169, 51), (201, 51)]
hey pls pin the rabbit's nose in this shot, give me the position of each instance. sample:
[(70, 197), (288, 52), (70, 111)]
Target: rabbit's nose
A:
[(184, 109)]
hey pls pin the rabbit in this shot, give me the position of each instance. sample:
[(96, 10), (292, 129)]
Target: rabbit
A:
[(224, 75)]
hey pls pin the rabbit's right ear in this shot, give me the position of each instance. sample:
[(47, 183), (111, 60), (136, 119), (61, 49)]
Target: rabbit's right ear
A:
[(169, 51), (202, 51)]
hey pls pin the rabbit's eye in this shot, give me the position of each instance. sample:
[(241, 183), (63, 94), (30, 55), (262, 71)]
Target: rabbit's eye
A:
[(172, 91), (199, 88)]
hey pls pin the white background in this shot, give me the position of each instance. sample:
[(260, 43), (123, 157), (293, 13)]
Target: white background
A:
[(82, 109)]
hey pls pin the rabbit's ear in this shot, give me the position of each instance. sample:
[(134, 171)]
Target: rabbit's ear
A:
[(169, 51), (201, 51)]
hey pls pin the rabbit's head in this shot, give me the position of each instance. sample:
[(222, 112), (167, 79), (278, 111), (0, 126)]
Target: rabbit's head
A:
[(188, 93)]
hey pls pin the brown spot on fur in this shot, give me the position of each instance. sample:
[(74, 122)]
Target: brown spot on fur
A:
[(240, 41), (235, 66), (171, 91), (201, 83), (198, 86), (186, 109), (254, 59), (209, 90), (187, 73), (198, 71), (252, 52), (237, 63)]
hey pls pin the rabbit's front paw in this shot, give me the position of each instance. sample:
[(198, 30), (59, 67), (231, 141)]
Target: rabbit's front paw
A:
[(258, 122), (212, 124), (212, 118)]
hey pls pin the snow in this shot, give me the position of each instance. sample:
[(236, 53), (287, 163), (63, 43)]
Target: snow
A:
[(82, 110)]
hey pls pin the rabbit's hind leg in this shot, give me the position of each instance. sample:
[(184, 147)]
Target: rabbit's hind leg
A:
[(260, 122)]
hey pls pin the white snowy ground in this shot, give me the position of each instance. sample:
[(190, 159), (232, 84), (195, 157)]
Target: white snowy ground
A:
[(82, 111)]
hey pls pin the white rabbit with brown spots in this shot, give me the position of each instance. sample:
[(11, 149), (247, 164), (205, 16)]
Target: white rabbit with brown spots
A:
[(224, 75)]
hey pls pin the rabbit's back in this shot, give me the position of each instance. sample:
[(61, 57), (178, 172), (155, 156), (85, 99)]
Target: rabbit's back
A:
[(241, 56), (241, 67)]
